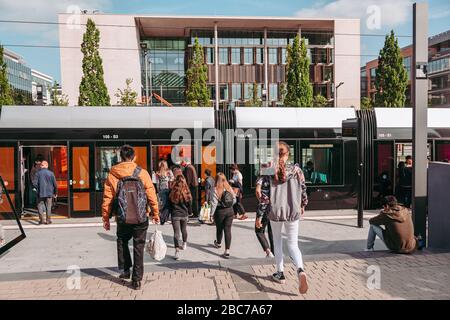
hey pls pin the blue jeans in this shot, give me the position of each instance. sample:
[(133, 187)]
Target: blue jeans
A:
[(374, 231)]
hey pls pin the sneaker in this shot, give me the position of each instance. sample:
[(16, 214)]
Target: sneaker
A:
[(125, 275), (368, 250), (302, 282), (226, 255), (177, 255), (184, 246), (279, 277), (49, 222), (270, 255), (217, 245)]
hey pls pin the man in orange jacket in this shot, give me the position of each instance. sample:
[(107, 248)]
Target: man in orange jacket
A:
[(127, 231)]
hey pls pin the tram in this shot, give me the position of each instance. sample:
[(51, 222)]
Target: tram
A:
[(81, 144)]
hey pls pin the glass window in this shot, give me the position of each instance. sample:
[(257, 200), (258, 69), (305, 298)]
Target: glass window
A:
[(322, 163), (249, 88), (248, 55), (105, 158), (223, 55), (273, 59), (237, 91), (223, 92), (273, 92), (236, 55), (259, 55), (210, 55), (283, 56)]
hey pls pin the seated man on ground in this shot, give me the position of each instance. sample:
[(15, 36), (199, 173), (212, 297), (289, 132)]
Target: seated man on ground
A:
[(398, 232)]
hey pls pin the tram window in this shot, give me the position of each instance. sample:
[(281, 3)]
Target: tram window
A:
[(263, 155), (172, 154), (322, 163), (442, 151), (105, 158)]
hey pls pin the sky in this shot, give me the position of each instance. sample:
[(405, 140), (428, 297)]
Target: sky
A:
[(378, 17)]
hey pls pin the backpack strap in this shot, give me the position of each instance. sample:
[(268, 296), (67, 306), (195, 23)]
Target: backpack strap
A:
[(136, 172)]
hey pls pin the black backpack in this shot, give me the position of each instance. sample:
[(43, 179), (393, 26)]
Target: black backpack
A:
[(227, 200), (131, 199)]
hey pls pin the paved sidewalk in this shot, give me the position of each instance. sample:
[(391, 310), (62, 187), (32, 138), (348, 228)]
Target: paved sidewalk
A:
[(424, 275)]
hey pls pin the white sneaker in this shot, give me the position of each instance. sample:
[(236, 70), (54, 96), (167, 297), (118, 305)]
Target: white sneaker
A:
[(184, 245), (368, 250), (177, 255), (270, 255)]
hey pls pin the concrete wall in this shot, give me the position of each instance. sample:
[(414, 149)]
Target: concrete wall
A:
[(348, 62), (118, 65)]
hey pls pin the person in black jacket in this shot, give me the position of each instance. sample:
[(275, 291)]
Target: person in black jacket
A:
[(180, 199)]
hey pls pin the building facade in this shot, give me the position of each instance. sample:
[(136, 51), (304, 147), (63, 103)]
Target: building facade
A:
[(43, 82), (438, 72), (25, 81), (243, 54)]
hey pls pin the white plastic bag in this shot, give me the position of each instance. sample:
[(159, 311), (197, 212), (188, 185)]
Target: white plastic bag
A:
[(205, 213), (157, 247)]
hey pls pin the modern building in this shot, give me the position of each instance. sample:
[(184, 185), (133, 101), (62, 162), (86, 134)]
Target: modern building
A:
[(438, 72), (243, 55), (26, 81), (19, 74), (43, 82)]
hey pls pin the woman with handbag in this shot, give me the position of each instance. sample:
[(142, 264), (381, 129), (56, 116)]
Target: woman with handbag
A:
[(287, 202), (180, 200), (222, 208)]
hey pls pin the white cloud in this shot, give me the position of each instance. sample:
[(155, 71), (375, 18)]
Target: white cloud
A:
[(393, 13), (41, 10)]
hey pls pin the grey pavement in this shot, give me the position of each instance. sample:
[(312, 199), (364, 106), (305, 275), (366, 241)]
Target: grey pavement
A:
[(90, 247)]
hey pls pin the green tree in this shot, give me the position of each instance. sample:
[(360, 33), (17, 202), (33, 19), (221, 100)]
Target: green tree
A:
[(254, 100), (299, 88), (21, 98), (391, 77), (197, 93), (6, 94), (366, 103), (93, 91), (58, 99), (127, 96), (320, 101)]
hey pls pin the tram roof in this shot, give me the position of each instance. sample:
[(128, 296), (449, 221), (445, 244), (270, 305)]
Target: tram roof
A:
[(247, 117), (403, 117), (105, 117)]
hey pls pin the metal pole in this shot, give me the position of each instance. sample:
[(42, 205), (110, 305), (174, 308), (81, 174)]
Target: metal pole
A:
[(146, 77), (420, 128), (216, 65), (266, 70), (151, 82)]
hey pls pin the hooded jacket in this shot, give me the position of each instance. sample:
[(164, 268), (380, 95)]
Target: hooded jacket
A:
[(399, 230), (119, 171)]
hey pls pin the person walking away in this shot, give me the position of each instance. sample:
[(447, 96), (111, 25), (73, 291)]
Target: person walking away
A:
[(209, 186), (287, 202), (398, 232), (46, 190), (33, 179), (128, 194), (406, 182), (262, 215), (236, 183), (222, 210), (180, 200), (192, 180), (162, 179)]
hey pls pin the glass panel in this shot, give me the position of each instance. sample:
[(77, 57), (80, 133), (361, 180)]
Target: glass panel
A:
[(237, 91), (384, 175), (223, 55), (81, 201), (208, 162), (172, 154), (273, 92), (7, 166), (322, 163), (235, 55), (259, 55), (80, 167), (248, 55), (105, 158), (273, 59), (210, 55)]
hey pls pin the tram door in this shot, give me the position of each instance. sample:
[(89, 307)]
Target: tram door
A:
[(81, 179), (8, 171)]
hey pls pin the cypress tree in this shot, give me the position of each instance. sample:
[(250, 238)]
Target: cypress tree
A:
[(197, 93), (299, 89), (391, 77), (6, 94), (93, 91)]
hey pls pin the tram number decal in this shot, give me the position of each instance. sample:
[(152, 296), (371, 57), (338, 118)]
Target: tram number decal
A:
[(110, 136), (385, 135)]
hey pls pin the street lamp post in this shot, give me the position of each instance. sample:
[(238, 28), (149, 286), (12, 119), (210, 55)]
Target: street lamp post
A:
[(336, 94)]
